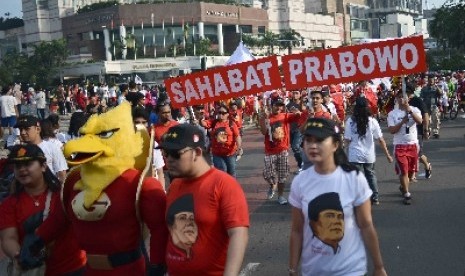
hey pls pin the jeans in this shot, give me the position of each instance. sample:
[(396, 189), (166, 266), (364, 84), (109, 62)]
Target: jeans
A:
[(435, 120), (225, 163), (41, 113), (368, 169), (296, 141)]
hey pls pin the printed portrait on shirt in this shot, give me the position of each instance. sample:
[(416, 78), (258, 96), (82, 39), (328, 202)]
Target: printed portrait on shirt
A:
[(181, 223), (277, 130), (221, 135), (326, 218)]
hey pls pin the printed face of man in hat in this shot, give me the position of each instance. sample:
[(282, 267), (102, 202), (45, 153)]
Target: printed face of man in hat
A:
[(326, 218), (184, 230), (181, 223), (329, 227)]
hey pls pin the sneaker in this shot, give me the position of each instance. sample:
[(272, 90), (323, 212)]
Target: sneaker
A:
[(436, 136), (270, 194), (407, 199), (375, 201), (428, 171), (401, 190), (282, 200)]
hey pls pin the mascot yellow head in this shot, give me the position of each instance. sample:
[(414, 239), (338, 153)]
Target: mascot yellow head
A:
[(109, 145)]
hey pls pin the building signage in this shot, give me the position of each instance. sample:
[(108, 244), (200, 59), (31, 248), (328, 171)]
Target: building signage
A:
[(99, 19), (223, 14), (146, 66)]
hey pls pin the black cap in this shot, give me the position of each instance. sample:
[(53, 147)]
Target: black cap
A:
[(277, 101), (28, 152), (323, 202), (27, 121), (182, 136), (184, 203), (321, 128), (361, 102)]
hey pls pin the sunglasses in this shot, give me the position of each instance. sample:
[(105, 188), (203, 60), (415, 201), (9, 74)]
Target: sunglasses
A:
[(175, 154), (222, 112)]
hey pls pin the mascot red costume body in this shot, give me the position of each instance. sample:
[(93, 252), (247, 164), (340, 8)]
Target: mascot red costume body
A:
[(100, 194)]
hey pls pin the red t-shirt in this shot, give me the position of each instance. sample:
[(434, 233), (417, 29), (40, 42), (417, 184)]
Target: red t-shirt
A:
[(223, 137), (219, 204), (65, 254), (119, 230), (280, 132), (161, 129)]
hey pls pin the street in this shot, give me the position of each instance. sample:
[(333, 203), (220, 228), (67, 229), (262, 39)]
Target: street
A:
[(425, 238)]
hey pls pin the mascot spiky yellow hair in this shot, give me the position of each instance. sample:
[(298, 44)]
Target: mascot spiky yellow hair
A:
[(109, 146)]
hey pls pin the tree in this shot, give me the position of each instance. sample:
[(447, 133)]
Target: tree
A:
[(47, 60), (290, 38), (448, 25), (269, 40)]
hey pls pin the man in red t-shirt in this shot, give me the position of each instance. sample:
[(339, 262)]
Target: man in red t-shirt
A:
[(207, 213), (165, 120), (276, 130)]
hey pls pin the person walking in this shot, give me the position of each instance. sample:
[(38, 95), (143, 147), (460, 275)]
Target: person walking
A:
[(40, 103), (402, 123), (225, 140), (332, 227), (275, 128), (430, 94), (421, 131), (207, 213), (36, 194), (295, 102), (361, 129), (9, 112)]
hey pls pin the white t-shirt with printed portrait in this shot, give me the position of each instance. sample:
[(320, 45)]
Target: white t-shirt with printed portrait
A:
[(317, 257)]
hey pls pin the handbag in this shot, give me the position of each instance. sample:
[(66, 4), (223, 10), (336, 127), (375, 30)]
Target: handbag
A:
[(7, 266)]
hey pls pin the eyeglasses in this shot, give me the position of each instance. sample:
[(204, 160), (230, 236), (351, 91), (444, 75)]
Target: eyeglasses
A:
[(175, 154)]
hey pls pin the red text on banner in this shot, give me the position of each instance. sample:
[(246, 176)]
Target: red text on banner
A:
[(224, 82), (354, 63)]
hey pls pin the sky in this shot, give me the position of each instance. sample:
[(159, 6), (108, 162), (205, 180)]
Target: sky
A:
[(14, 7)]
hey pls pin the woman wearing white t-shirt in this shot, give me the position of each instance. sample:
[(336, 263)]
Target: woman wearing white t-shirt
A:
[(331, 214), (361, 131)]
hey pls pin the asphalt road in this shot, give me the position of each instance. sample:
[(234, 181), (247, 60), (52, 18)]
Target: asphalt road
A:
[(425, 238)]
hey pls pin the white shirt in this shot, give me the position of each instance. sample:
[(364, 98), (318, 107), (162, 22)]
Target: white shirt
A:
[(362, 149), (158, 161), (317, 257), (55, 159), (402, 137), (7, 106), (40, 99)]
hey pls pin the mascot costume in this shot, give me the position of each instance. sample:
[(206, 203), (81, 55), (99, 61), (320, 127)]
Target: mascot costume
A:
[(107, 198)]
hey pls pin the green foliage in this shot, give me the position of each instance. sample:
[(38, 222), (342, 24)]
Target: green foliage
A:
[(448, 26), (98, 6), (10, 23), (449, 59), (287, 39), (41, 67)]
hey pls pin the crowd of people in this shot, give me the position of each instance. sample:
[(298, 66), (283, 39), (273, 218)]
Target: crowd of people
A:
[(203, 229)]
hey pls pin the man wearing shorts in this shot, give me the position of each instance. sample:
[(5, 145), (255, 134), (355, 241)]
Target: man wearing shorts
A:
[(9, 111), (275, 127), (402, 123)]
